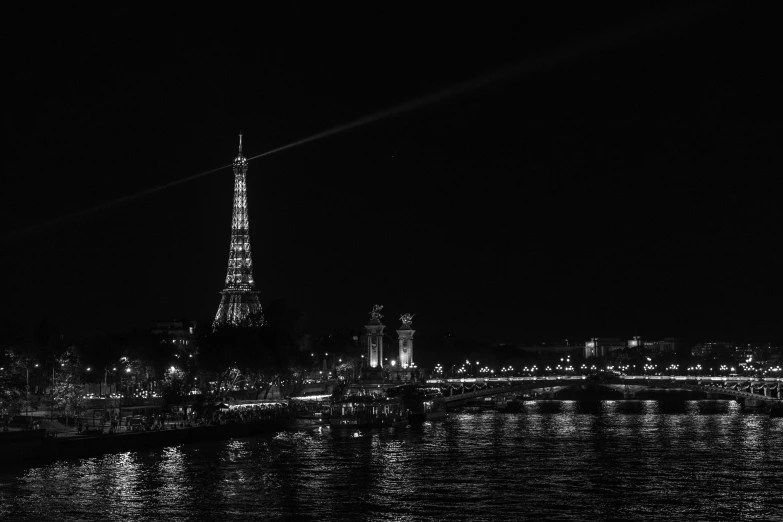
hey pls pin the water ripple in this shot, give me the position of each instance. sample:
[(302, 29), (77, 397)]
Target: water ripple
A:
[(556, 460)]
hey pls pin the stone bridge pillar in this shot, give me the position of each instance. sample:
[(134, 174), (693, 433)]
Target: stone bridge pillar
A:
[(405, 335), (628, 393), (375, 338)]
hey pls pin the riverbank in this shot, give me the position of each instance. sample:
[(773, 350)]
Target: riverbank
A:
[(33, 446)]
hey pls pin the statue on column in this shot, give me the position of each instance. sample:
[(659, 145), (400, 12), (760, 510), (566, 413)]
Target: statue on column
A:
[(406, 319), (376, 315)]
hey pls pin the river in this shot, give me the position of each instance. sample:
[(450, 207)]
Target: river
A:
[(556, 460)]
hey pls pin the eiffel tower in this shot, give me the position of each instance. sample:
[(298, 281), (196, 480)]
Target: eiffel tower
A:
[(239, 304)]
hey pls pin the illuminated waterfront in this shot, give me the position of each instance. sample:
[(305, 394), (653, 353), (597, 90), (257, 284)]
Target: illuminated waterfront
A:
[(557, 460)]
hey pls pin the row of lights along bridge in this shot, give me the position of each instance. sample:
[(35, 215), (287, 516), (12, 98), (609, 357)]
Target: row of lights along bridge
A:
[(474, 369)]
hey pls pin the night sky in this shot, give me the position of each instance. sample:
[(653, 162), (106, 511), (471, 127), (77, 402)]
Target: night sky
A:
[(610, 173)]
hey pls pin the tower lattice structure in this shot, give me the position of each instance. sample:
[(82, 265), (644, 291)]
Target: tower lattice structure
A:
[(239, 304)]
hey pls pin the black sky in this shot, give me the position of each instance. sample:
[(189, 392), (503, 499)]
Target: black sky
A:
[(626, 186)]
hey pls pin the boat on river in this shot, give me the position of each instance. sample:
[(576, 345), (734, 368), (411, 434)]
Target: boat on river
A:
[(308, 414), (509, 403), (514, 406), (423, 403), (368, 411), (432, 410), (309, 420)]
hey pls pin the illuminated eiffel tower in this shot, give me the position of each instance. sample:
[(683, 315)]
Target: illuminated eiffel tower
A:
[(239, 304)]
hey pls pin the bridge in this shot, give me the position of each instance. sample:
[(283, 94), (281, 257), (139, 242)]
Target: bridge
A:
[(753, 391)]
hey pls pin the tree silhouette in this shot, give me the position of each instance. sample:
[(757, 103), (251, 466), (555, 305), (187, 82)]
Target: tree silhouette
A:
[(264, 357)]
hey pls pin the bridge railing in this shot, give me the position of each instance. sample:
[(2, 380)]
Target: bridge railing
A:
[(621, 377), (702, 378), (480, 380)]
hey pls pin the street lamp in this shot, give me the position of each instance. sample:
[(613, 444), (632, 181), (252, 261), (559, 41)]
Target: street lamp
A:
[(27, 387)]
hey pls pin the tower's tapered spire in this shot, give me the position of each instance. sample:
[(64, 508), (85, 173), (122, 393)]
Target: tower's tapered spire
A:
[(239, 305), (240, 162)]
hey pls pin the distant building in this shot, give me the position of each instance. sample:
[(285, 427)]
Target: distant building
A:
[(602, 346), (713, 349), (668, 345), (775, 352), (180, 331), (745, 351), (636, 342), (552, 350), (759, 351)]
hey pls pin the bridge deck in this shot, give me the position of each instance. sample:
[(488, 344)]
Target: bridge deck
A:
[(716, 385)]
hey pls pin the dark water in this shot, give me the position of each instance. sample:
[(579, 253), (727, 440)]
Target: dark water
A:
[(609, 460)]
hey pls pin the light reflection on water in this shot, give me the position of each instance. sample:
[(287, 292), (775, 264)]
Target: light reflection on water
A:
[(556, 460)]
